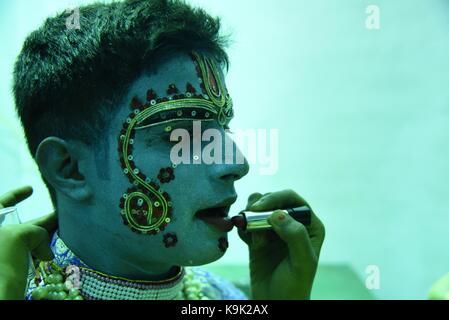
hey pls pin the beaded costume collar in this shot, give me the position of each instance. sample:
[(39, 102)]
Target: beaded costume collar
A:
[(94, 285)]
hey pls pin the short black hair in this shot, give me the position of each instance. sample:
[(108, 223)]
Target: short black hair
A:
[(67, 81)]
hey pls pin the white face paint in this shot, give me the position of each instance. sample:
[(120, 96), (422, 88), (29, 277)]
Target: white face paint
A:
[(111, 246)]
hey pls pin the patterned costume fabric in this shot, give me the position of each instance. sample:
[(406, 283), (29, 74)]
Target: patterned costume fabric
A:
[(213, 287)]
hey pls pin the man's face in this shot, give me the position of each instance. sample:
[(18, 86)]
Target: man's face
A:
[(195, 187)]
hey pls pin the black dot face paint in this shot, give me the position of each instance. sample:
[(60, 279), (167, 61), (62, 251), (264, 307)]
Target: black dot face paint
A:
[(223, 244), (170, 240), (166, 175)]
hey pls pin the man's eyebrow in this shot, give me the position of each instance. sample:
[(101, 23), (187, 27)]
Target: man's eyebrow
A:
[(160, 129), (174, 124)]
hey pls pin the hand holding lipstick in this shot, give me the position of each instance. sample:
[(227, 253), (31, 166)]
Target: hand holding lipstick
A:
[(283, 261)]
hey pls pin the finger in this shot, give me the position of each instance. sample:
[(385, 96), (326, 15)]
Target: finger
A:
[(289, 198), (261, 239), (295, 235), (279, 200), (48, 222), (37, 241), (246, 236), (13, 197), (253, 198), (256, 240), (317, 233)]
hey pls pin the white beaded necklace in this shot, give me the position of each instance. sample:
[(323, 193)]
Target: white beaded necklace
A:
[(93, 285), (56, 281)]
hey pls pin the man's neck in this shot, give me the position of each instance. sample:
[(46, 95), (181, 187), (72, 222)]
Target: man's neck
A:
[(97, 256)]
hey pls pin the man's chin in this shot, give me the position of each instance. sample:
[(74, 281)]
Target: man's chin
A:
[(203, 258)]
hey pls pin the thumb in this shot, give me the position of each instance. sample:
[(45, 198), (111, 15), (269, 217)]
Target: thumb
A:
[(37, 241), (48, 222)]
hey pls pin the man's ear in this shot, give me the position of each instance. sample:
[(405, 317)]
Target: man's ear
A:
[(59, 165)]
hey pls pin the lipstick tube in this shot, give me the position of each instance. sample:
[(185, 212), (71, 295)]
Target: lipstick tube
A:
[(254, 221)]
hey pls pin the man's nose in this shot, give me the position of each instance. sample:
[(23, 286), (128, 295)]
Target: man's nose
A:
[(233, 167), (230, 172)]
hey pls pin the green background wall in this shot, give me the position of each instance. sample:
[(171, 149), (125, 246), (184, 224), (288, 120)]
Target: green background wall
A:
[(362, 115)]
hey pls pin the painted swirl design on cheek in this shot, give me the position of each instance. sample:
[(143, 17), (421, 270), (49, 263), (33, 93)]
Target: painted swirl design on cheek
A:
[(144, 207)]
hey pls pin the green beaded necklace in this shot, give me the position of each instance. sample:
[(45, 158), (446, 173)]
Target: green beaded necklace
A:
[(54, 283)]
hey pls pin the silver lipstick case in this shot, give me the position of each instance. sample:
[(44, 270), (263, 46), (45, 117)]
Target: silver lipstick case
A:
[(256, 221)]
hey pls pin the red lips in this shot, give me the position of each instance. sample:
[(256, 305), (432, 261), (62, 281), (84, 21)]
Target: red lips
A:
[(217, 218)]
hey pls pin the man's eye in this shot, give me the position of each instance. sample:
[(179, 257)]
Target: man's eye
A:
[(177, 138), (153, 141)]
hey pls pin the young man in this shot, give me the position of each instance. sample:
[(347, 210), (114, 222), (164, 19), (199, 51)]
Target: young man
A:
[(103, 108)]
